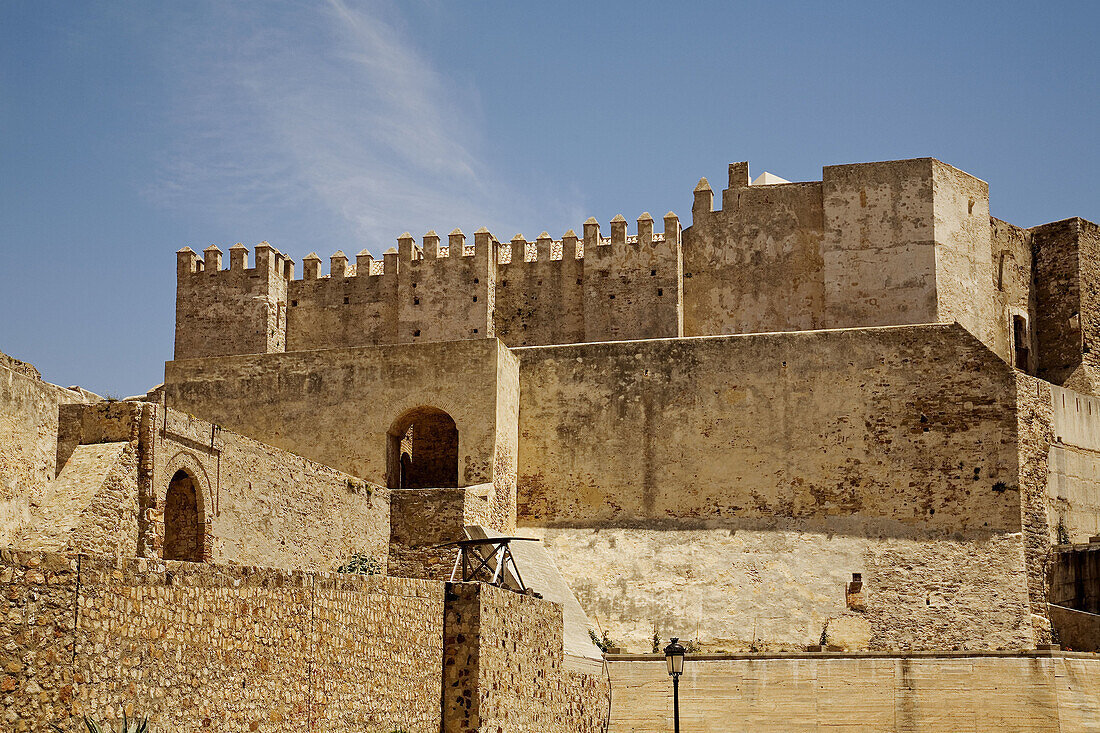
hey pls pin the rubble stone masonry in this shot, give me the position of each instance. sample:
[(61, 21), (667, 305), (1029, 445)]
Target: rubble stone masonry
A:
[(229, 648)]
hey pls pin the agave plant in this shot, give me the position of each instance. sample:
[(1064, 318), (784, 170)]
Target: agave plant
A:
[(137, 726)]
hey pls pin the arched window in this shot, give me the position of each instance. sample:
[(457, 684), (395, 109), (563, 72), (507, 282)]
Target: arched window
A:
[(183, 525), (422, 450)]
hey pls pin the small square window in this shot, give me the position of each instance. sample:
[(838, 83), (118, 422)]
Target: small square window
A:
[(475, 330), (416, 333), (293, 303), (475, 298), (579, 281), (612, 297), (653, 273), (416, 301), (346, 300), (660, 292)]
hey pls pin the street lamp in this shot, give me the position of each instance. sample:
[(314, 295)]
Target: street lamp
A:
[(674, 657)]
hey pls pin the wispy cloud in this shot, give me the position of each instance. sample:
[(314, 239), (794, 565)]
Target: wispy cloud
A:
[(327, 114)]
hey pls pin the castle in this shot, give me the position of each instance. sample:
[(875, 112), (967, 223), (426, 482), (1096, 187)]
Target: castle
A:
[(844, 435)]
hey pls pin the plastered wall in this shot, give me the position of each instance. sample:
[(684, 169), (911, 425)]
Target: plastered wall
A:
[(913, 424), (698, 486), (944, 692), (1073, 503)]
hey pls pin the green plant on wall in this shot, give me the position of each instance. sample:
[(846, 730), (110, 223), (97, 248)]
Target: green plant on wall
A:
[(656, 643), (604, 643), (1063, 533), (361, 563), (128, 726)]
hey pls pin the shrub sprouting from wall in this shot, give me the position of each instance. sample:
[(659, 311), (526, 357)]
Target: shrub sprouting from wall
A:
[(362, 564)]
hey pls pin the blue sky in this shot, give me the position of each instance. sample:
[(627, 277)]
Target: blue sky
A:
[(131, 129)]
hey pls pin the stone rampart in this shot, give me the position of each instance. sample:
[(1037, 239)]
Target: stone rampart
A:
[(548, 291), (339, 407)]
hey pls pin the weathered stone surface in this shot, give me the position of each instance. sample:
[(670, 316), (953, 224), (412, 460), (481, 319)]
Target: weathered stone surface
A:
[(28, 442)]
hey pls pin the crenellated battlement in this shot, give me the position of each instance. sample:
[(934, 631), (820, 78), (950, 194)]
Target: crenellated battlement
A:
[(528, 291)]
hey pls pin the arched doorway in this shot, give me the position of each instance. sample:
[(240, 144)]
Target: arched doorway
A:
[(422, 450), (183, 526)]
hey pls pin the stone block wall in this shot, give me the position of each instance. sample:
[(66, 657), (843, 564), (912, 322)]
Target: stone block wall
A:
[(423, 519), (229, 648), (215, 647), (514, 680), (239, 310)]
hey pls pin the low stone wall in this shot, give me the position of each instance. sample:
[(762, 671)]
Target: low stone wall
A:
[(230, 648), (931, 693), (216, 648)]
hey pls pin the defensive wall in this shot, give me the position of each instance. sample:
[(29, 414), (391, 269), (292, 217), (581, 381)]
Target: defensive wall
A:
[(870, 244), (228, 648), (593, 288), (892, 487), (937, 692)]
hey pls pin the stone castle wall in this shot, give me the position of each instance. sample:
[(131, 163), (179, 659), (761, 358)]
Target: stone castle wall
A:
[(221, 648), (591, 289), (255, 504), (338, 407), (762, 472)]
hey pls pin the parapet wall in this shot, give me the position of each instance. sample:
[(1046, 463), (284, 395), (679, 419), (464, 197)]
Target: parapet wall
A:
[(593, 288)]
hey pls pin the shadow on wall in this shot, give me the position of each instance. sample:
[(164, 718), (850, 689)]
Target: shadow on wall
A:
[(183, 522), (422, 450)]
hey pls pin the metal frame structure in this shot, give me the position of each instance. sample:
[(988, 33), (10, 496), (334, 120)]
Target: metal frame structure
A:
[(475, 564)]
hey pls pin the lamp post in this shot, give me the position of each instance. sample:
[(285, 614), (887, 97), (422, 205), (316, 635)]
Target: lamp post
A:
[(674, 657)]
